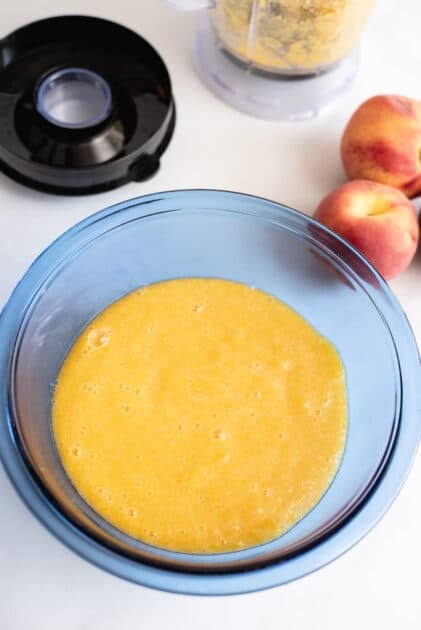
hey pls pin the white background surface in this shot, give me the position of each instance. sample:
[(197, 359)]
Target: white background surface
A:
[(43, 586)]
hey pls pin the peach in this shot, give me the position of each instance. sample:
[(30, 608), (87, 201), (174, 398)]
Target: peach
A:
[(378, 220), (382, 142)]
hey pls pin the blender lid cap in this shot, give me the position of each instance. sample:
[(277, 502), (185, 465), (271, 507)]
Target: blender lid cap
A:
[(86, 105)]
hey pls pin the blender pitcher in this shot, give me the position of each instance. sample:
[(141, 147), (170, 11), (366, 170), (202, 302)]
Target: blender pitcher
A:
[(279, 59)]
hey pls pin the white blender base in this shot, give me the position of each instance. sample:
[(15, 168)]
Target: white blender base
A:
[(265, 95)]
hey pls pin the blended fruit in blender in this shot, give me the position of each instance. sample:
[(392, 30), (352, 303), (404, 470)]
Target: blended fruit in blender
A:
[(290, 36), (201, 415)]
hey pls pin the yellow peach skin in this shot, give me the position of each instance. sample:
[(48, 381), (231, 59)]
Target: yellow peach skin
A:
[(382, 142), (378, 220)]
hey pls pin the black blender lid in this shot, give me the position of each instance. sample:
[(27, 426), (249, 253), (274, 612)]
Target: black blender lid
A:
[(85, 105)]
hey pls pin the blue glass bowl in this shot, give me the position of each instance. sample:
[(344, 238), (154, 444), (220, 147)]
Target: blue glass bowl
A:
[(243, 238)]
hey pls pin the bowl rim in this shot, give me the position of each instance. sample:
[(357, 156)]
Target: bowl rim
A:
[(323, 552)]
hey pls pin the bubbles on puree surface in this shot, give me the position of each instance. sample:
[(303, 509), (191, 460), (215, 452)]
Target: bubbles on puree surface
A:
[(90, 388), (198, 308), (99, 337), (219, 434)]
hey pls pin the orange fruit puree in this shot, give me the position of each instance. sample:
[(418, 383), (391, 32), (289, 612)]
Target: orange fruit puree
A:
[(201, 415)]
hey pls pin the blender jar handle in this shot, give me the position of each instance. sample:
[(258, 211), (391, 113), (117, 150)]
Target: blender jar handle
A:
[(190, 5)]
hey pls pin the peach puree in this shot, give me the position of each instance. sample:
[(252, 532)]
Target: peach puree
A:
[(201, 415), (292, 36)]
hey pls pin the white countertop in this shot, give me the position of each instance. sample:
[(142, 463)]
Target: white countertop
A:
[(43, 586)]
